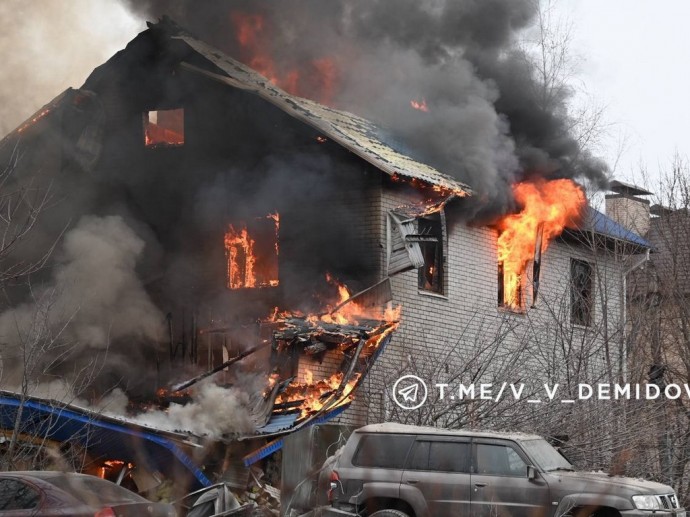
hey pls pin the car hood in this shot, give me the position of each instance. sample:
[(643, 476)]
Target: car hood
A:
[(601, 482)]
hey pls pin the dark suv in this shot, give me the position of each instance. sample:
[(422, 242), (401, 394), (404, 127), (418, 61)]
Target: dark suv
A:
[(394, 470)]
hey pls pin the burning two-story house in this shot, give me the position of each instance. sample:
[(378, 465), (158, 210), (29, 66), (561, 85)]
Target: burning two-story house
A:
[(258, 214)]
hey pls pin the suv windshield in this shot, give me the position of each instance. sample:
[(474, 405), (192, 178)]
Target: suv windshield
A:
[(545, 456)]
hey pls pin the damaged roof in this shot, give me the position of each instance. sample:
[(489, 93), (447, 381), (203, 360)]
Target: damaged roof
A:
[(350, 131), (105, 437), (354, 133)]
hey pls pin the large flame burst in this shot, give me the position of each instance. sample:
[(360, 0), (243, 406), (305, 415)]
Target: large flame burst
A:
[(555, 205)]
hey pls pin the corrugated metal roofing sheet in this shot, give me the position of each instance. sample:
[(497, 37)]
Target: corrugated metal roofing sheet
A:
[(278, 423), (604, 225), (104, 437), (351, 131)]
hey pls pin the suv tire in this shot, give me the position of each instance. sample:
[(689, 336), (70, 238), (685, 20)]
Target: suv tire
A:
[(389, 513)]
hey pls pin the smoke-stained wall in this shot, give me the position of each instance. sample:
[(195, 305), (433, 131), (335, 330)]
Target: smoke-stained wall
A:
[(170, 208)]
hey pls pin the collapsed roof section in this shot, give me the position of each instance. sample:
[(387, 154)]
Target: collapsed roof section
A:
[(104, 437), (295, 404), (286, 405)]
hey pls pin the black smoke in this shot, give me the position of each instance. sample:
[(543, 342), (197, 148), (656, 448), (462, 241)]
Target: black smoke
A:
[(487, 121), (150, 225)]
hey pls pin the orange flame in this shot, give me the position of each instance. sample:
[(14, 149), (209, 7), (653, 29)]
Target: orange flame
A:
[(243, 263), (108, 465), (313, 394), (421, 106), (352, 312), (556, 204), (239, 247), (434, 191)]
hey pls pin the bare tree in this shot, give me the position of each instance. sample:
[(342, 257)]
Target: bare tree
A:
[(33, 349), (659, 337)]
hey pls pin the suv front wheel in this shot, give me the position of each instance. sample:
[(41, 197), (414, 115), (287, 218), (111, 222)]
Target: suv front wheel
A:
[(389, 513)]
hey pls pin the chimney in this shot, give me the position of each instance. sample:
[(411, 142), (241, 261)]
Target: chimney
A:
[(626, 207)]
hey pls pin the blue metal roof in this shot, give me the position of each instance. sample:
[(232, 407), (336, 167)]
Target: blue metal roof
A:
[(278, 443), (604, 225), (278, 423), (103, 437)]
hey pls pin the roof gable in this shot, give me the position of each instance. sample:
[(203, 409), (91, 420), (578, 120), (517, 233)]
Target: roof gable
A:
[(352, 132)]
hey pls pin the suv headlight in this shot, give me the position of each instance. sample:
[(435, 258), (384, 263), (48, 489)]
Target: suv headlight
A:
[(646, 502)]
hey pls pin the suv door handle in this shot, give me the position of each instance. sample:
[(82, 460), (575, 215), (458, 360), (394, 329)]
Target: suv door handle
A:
[(480, 485), (412, 481)]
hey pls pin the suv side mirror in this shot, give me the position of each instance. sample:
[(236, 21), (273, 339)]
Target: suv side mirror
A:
[(531, 472)]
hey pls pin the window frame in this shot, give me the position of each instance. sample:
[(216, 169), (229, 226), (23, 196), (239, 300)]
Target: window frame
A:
[(390, 436), (436, 440), (440, 262), (500, 292), (510, 445), (584, 320), (145, 122)]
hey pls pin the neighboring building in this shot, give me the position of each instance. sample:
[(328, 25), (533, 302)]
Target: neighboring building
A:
[(657, 338), (183, 142)]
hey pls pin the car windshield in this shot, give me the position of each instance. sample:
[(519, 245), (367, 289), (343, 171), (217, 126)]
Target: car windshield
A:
[(545, 456)]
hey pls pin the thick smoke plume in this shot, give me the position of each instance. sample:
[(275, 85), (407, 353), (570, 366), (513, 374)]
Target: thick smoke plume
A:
[(215, 412), (93, 301), (46, 47), (484, 117)]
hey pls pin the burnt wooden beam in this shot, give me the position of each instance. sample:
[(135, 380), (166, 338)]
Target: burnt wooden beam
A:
[(190, 382)]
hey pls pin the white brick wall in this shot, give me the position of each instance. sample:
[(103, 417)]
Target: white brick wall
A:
[(438, 336)]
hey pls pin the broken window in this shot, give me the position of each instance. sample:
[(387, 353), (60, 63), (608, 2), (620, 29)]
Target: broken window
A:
[(509, 289), (415, 240), (430, 235), (581, 292), (403, 252), (252, 251), (164, 128)]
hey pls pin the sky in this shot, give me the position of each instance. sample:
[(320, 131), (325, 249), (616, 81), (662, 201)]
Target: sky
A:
[(47, 46), (632, 57)]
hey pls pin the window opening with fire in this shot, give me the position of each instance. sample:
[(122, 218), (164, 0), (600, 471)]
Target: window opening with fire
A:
[(581, 292), (164, 128), (252, 251), (430, 233), (509, 289)]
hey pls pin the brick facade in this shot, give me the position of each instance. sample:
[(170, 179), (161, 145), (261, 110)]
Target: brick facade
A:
[(440, 334)]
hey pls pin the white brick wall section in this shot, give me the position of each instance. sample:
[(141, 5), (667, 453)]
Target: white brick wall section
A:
[(455, 326)]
